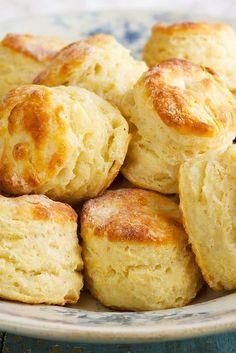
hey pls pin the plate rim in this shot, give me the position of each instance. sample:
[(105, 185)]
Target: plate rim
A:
[(114, 335), (43, 328)]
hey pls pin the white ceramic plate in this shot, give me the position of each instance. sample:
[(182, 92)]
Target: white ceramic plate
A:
[(89, 321)]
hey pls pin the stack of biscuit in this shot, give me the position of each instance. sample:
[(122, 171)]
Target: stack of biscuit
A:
[(74, 116)]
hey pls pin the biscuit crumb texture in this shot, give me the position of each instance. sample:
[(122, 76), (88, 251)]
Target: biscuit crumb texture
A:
[(99, 64), (136, 252), (65, 142), (208, 203), (23, 56), (40, 257), (177, 110), (207, 44)]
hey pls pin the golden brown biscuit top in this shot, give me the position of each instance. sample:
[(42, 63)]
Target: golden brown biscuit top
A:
[(36, 137), (73, 56), (133, 215), (101, 40), (189, 98), (35, 208), (37, 47), (192, 28)]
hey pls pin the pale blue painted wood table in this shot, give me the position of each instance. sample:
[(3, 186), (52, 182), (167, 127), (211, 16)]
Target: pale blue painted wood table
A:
[(225, 343)]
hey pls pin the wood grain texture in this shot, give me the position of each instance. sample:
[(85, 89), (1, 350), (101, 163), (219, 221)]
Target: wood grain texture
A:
[(225, 343), (1, 340)]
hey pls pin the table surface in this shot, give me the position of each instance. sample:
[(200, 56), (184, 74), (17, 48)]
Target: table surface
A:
[(225, 343)]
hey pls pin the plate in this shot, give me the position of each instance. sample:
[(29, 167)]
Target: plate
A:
[(88, 321)]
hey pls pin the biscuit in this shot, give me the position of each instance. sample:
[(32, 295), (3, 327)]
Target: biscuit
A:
[(136, 252), (40, 255), (65, 142), (98, 63), (207, 195), (177, 110), (23, 56), (207, 44)]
